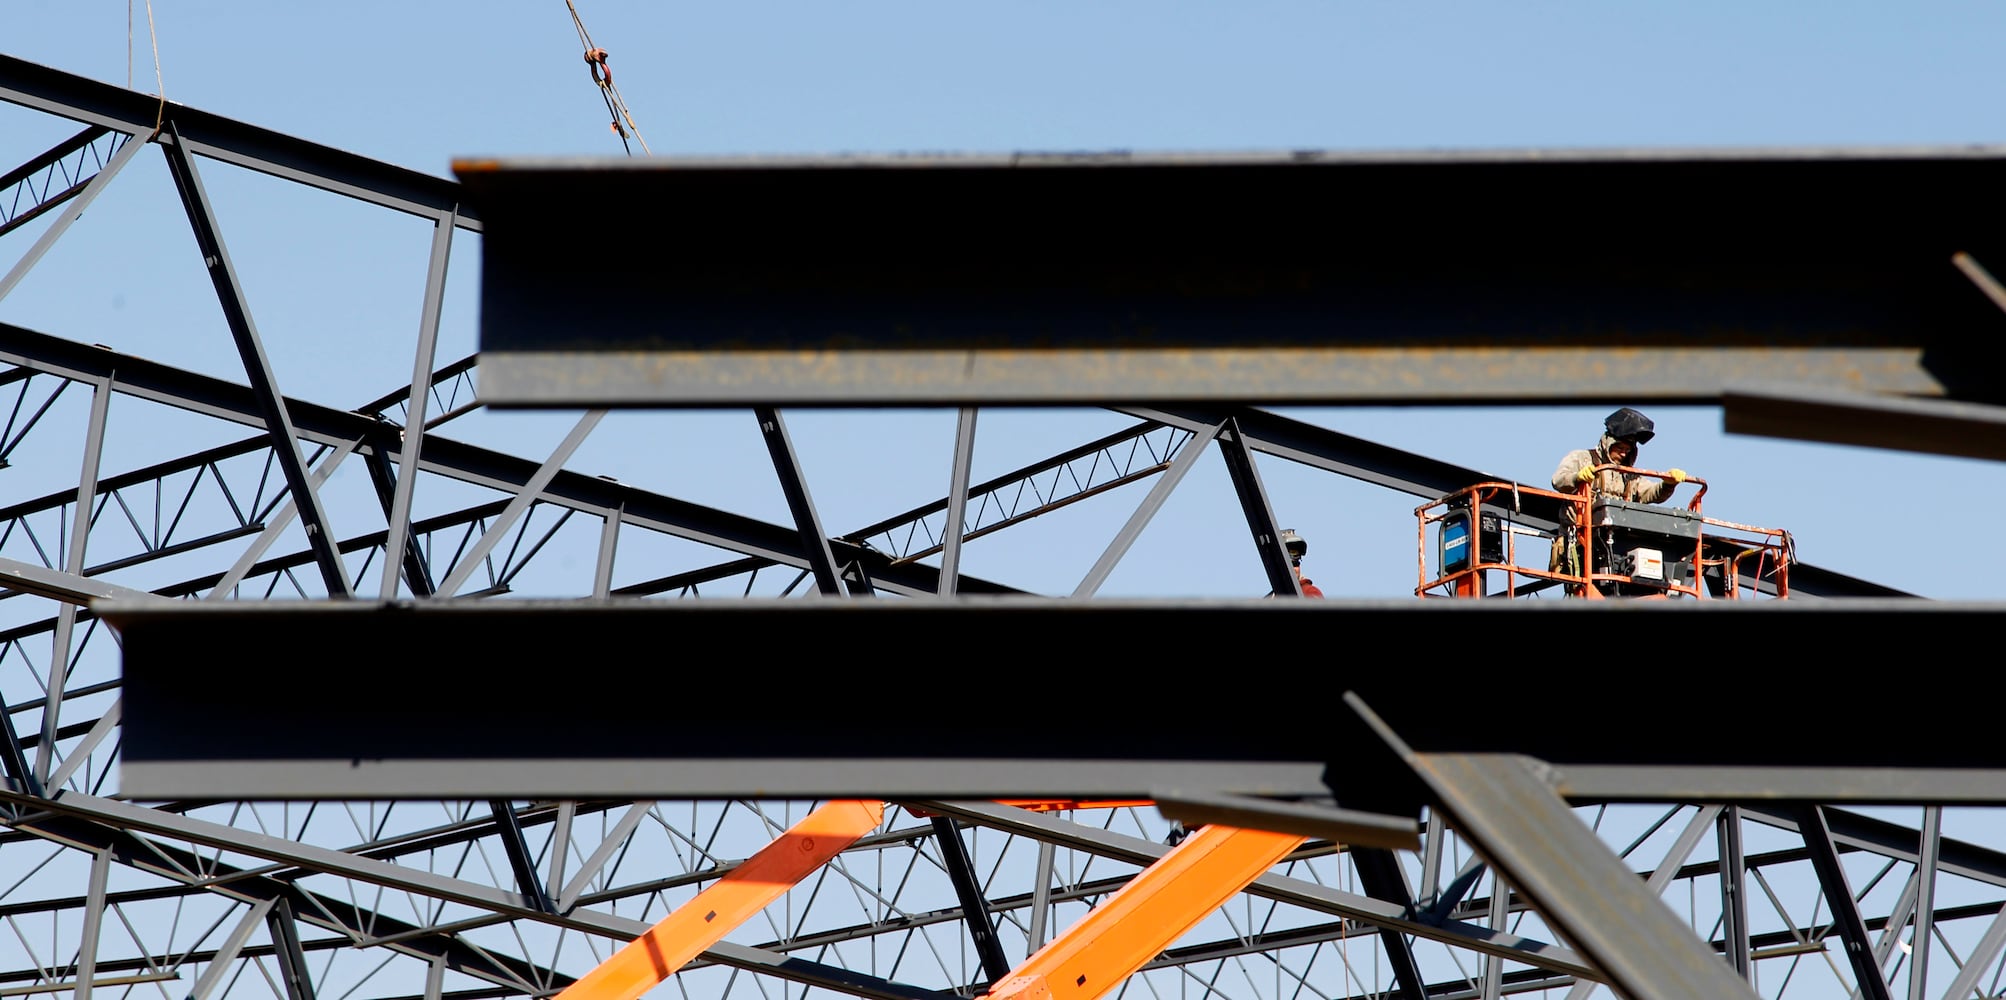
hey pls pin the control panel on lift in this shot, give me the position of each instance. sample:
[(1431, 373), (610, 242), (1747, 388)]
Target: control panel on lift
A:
[(1651, 544)]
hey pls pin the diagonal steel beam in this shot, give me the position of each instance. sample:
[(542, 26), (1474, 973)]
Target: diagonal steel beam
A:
[(1845, 909), (974, 906), (1134, 924), (1517, 820), (271, 405), (1296, 892), (399, 515), (665, 948), (80, 198), (794, 486), (1159, 492), (538, 481), (1259, 513)]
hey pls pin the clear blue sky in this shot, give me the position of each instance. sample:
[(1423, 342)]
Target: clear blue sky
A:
[(335, 285)]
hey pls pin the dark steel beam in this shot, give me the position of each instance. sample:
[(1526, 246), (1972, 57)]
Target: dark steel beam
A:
[(1924, 426), (1379, 874), (1267, 750), (1259, 513), (81, 99), (1733, 894), (974, 904), (1578, 884), (794, 486), (1495, 277), (509, 829), (1845, 908), (257, 367), (292, 959)]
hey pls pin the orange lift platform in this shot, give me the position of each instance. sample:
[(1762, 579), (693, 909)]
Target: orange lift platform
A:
[(1483, 546), (1089, 959)]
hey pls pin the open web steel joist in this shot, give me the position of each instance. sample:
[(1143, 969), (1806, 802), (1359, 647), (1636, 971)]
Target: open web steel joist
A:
[(1719, 855)]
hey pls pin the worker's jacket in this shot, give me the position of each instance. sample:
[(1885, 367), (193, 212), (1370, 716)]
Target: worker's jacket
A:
[(1608, 482)]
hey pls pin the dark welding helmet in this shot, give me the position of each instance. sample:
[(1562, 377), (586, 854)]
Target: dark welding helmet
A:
[(1628, 425)]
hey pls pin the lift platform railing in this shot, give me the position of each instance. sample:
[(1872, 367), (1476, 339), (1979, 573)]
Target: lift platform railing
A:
[(1612, 547)]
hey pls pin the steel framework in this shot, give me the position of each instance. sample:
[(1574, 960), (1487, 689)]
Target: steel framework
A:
[(177, 820)]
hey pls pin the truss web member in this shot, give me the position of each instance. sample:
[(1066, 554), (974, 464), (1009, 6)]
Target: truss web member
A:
[(1624, 433)]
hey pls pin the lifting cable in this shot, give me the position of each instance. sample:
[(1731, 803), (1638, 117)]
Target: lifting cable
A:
[(160, 87), (595, 60)]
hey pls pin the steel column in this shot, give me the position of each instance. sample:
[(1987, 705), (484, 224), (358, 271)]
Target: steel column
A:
[(1734, 894), (87, 944), (1041, 898), (957, 503), (1925, 901), (73, 563), (1493, 965)]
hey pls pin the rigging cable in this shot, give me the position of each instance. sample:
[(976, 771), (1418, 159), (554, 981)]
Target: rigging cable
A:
[(160, 114), (595, 61)]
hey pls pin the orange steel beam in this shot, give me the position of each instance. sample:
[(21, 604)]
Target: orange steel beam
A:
[(1143, 917), (648, 960)]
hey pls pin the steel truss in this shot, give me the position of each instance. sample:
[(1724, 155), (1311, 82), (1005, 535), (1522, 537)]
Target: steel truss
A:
[(510, 896)]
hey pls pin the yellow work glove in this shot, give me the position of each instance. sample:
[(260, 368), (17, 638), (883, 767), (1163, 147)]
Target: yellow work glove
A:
[(1678, 475), (1587, 472)]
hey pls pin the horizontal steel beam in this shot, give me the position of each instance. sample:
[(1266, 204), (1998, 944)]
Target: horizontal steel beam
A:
[(1533, 277), (1925, 426), (387, 730), (82, 99)]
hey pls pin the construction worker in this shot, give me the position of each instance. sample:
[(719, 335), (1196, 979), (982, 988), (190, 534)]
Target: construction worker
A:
[(1624, 432), (1297, 548)]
